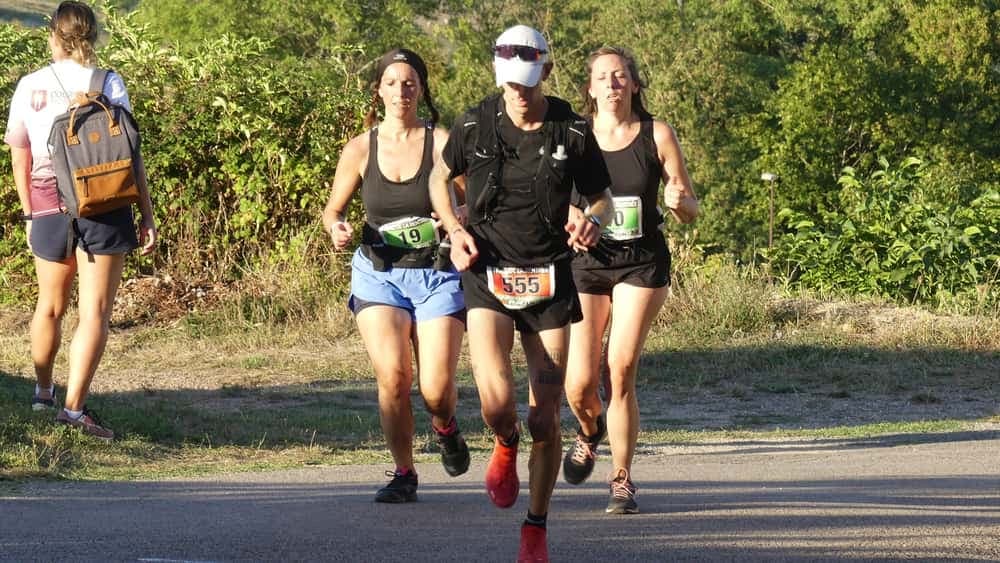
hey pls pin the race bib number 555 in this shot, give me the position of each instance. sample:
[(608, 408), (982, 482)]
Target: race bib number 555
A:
[(519, 288)]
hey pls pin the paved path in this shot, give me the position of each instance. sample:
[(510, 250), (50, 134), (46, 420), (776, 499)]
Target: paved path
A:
[(931, 497)]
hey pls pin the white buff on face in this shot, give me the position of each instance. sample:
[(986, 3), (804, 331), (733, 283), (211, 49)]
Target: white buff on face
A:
[(517, 71), (527, 73)]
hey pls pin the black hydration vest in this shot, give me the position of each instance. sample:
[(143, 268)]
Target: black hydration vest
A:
[(484, 176)]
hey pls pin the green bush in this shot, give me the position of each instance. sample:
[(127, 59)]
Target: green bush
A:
[(902, 233), (240, 151), (244, 115), (21, 51)]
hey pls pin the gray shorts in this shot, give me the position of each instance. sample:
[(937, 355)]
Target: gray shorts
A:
[(113, 232)]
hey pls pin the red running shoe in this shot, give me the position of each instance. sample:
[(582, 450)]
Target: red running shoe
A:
[(534, 548), (502, 484)]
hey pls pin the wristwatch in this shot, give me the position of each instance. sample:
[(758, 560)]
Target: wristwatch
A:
[(26, 217), (593, 219)]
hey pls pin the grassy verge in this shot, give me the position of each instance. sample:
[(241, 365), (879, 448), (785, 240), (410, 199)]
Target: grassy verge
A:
[(273, 380)]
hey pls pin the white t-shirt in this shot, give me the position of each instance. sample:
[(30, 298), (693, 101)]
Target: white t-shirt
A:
[(39, 99)]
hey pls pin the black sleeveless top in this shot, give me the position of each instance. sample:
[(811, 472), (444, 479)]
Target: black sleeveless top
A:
[(386, 201), (635, 171)]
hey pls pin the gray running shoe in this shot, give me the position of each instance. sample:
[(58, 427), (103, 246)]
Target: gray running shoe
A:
[(579, 461), (39, 404), (88, 423), (623, 491)]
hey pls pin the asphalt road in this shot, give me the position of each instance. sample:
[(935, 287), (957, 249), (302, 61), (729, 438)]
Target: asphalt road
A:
[(928, 497)]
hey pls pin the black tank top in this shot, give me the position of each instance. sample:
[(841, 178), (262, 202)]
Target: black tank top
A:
[(386, 201), (635, 171)]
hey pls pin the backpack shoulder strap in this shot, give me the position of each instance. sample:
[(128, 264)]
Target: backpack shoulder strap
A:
[(98, 79)]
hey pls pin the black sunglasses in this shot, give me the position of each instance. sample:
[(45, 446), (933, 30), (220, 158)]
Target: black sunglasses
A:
[(523, 52)]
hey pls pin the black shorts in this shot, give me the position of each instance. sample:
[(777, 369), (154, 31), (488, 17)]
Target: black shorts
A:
[(644, 264), (563, 309), (601, 281), (108, 233)]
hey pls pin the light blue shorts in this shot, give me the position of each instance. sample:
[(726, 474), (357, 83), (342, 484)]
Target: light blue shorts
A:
[(425, 292)]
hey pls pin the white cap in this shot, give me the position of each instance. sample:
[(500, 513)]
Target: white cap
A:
[(515, 70)]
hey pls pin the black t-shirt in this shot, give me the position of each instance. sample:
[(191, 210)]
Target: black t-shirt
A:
[(520, 231)]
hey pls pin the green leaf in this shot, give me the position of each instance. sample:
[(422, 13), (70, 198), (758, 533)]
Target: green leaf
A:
[(899, 275)]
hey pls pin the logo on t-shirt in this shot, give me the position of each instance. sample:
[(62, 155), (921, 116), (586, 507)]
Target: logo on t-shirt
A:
[(38, 99)]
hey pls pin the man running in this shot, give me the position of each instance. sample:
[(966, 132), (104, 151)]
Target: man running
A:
[(520, 153)]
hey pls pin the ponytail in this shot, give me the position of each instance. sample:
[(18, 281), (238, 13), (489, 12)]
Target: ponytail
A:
[(74, 27)]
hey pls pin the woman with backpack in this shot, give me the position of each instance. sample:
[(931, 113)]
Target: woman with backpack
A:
[(89, 249), (405, 301)]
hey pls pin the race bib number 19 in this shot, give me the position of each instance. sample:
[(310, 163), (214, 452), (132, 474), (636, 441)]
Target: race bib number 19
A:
[(627, 221), (519, 288), (410, 232)]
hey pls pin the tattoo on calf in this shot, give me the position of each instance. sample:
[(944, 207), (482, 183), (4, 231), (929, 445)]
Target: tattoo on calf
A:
[(551, 373), (546, 377)]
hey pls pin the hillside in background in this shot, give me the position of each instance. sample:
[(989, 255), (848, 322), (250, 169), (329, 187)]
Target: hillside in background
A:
[(26, 12)]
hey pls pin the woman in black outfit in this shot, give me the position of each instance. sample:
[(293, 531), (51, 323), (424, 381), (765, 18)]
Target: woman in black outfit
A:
[(624, 281)]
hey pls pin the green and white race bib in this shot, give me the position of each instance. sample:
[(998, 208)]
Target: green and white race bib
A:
[(626, 224), (410, 232)]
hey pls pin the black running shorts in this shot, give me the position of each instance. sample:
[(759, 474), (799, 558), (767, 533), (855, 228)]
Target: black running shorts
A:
[(643, 263), (561, 310), (601, 281)]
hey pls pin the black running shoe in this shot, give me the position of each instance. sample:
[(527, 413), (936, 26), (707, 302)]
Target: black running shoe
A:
[(454, 453), (40, 404), (623, 491), (579, 461), (402, 488)]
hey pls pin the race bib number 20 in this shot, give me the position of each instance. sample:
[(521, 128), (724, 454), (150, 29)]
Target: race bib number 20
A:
[(627, 221), (519, 288)]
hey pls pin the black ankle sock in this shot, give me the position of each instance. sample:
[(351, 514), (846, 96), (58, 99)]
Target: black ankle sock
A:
[(512, 440), (536, 520), (596, 437)]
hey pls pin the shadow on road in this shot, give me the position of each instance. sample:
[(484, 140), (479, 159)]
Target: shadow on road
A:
[(823, 519)]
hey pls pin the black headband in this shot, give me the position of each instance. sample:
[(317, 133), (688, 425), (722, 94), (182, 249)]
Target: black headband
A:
[(402, 56)]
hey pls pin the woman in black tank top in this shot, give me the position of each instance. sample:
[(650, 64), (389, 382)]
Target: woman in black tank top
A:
[(624, 281), (403, 305)]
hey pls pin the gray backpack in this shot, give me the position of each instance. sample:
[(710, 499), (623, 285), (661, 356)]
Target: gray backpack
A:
[(94, 148)]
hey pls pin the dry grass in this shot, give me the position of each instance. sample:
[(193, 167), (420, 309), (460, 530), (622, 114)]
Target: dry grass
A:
[(201, 378)]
